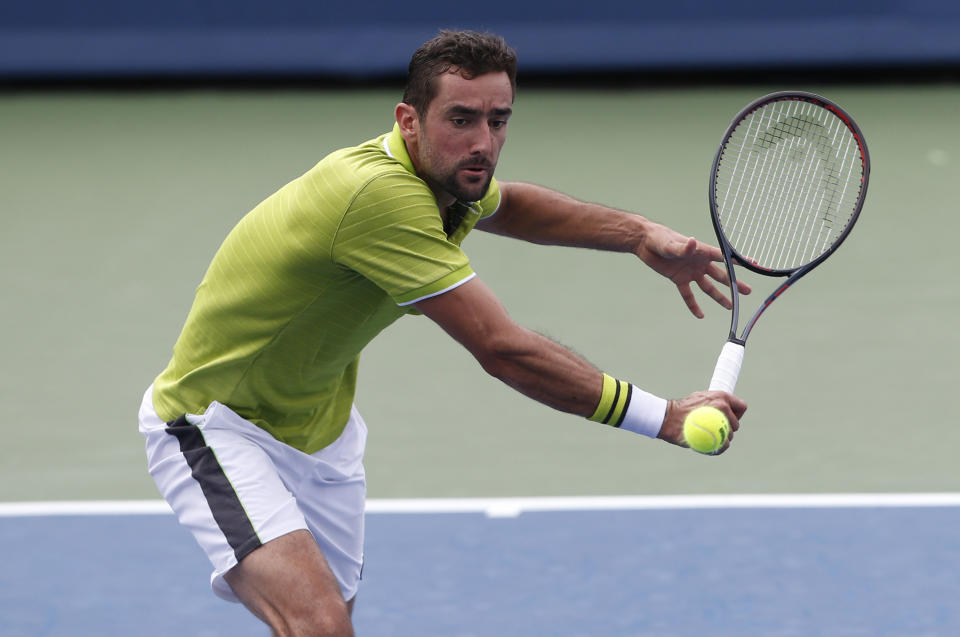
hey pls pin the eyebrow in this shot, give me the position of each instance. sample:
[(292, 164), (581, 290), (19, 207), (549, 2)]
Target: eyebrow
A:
[(459, 109)]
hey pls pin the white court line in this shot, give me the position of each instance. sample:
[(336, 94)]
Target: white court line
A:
[(511, 507)]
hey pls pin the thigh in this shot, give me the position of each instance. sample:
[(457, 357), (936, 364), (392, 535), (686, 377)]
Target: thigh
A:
[(288, 584), (236, 488), (330, 488), (224, 489)]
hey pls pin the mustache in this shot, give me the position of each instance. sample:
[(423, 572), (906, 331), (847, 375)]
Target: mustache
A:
[(476, 162)]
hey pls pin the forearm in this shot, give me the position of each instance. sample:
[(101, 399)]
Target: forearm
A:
[(536, 366), (545, 371), (541, 215), (553, 375)]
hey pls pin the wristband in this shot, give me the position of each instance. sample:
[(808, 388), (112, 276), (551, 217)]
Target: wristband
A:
[(626, 406)]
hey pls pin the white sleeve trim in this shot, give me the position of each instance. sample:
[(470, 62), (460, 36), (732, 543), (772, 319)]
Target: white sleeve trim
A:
[(446, 289)]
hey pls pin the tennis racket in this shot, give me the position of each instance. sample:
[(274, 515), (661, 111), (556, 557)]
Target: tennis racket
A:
[(787, 185)]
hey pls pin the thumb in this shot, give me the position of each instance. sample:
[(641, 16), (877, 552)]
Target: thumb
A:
[(689, 247)]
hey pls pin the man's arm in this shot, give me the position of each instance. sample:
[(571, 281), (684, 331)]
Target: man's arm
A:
[(541, 215), (525, 360), (540, 368)]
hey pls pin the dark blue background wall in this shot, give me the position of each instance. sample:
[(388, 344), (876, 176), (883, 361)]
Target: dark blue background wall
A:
[(54, 38)]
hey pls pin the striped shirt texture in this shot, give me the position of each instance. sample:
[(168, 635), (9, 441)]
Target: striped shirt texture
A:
[(302, 284)]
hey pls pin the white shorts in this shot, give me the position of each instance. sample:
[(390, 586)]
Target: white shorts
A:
[(236, 487)]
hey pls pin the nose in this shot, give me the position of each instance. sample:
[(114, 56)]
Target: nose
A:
[(482, 142)]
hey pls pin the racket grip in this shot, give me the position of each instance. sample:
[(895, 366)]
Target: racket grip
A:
[(727, 371)]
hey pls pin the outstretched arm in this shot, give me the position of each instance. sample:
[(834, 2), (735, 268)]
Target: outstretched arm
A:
[(550, 373), (541, 215), (523, 359)]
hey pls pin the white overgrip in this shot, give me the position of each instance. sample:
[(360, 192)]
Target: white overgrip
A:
[(727, 371)]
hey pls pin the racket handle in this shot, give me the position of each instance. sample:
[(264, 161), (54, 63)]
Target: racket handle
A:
[(727, 371)]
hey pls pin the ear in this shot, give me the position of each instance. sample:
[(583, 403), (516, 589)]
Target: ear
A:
[(409, 122)]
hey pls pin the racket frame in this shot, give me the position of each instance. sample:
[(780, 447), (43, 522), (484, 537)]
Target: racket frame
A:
[(730, 255)]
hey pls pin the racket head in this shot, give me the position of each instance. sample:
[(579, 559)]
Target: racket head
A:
[(788, 182)]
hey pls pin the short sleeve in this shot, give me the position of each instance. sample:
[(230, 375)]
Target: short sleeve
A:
[(392, 235)]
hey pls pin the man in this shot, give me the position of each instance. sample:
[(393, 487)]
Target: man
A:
[(251, 432)]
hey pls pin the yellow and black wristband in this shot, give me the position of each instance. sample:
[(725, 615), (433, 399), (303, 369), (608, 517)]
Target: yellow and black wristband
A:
[(613, 401), (625, 406)]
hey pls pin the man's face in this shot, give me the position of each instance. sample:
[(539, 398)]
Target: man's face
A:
[(460, 137)]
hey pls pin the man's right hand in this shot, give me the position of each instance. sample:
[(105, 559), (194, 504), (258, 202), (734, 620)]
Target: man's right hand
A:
[(677, 410)]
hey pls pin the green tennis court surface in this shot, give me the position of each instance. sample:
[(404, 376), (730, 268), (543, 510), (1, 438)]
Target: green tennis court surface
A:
[(113, 203)]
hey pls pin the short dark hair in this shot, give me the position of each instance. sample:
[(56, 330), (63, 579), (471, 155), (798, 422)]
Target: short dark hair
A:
[(469, 53)]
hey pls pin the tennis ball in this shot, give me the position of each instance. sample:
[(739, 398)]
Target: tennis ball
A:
[(706, 429)]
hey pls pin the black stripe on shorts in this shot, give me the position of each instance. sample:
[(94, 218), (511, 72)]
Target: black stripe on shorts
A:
[(224, 503)]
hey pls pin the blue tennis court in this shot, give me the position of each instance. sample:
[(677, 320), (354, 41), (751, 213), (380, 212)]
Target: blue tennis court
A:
[(784, 570)]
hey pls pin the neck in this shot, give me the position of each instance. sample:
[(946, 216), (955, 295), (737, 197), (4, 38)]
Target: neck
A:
[(444, 199)]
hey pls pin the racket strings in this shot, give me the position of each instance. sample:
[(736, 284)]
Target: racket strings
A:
[(787, 184)]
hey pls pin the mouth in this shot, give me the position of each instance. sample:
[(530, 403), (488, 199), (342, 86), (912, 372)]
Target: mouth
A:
[(475, 170)]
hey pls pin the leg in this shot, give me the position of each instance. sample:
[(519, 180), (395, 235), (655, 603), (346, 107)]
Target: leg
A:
[(287, 584), (227, 481)]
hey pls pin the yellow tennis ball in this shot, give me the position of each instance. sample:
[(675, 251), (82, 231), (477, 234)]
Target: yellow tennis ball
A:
[(706, 429)]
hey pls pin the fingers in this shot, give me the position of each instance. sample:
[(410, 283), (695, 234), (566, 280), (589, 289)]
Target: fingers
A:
[(707, 251), (732, 406), (725, 446), (694, 248), (687, 295), (734, 427), (721, 275), (717, 273), (737, 405), (700, 262), (711, 290)]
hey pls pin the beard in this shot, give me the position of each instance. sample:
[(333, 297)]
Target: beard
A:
[(450, 177), (467, 192), (467, 188)]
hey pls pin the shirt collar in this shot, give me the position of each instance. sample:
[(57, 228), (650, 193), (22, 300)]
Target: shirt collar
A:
[(394, 145), (396, 148)]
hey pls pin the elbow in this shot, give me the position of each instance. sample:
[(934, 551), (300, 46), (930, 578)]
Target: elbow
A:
[(494, 365), (500, 354)]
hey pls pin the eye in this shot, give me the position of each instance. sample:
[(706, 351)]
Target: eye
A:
[(498, 124), (459, 122)]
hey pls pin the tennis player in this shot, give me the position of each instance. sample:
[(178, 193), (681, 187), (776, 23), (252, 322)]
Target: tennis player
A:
[(251, 432)]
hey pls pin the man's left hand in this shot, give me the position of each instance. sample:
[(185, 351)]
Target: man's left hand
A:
[(684, 260)]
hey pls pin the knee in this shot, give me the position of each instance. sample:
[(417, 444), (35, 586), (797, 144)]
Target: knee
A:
[(320, 621)]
